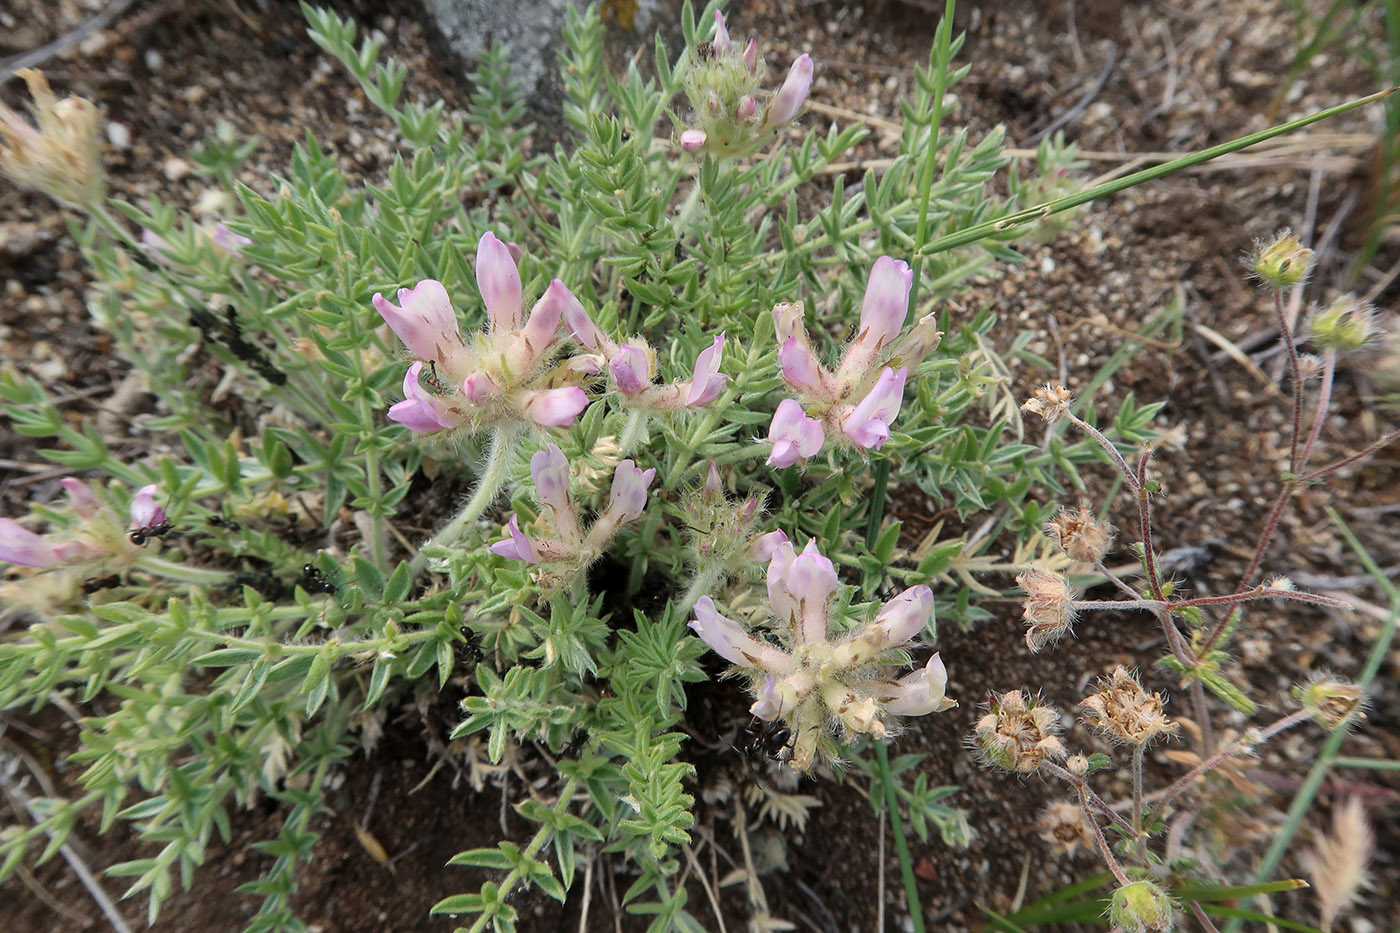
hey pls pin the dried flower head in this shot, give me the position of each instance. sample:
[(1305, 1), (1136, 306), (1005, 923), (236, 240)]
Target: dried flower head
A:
[(1125, 712), (1062, 825), (1330, 701), (1345, 325), (1141, 907), (1081, 535), (1050, 401), (61, 158), (1049, 607), (1282, 262), (1018, 732)]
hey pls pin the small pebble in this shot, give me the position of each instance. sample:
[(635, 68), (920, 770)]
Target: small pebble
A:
[(175, 169), (118, 135), (154, 60)]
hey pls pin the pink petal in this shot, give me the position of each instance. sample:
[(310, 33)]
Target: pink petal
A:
[(800, 368), (919, 693), (868, 424), (19, 545), (81, 497), (886, 303), (144, 511), (793, 94), (555, 408), (721, 39), (517, 546), (499, 282), (423, 319), (904, 616), (707, 382), (628, 496), (793, 435), (629, 369), (550, 469), (418, 411), (543, 323), (693, 140)]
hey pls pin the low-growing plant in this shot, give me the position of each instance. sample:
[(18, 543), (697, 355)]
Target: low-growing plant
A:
[(661, 377)]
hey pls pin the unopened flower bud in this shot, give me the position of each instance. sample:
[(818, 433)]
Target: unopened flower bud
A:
[(1330, 701), (1077, 765), (1049, 607), (1346, 324), (1125, 712), (1082, 537), (1141, 907), (1283, 261), (1050, 402), (1018, 733)]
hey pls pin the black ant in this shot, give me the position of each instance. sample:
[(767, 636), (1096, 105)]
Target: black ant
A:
[(228, 524), (575, 746), (311, 574), (160, 529), (768, 738)]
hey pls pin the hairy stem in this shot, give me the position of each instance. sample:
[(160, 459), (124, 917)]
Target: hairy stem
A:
[(492, 478)]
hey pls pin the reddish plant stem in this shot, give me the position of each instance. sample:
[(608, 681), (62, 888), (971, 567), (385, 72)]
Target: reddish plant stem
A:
[(1262, 592), (1239, 746), (1324, 398), (1081, 785), (1098, 437), (1201, 918), (1296, 372), (1104, 849), (1149, 558), (1361, 455)]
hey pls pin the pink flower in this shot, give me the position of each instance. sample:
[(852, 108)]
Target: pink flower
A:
[(419, 410), (747, 108), (720, 43), (904, 616), (541, 326), (630, 371), (628, 496), (751, 56), (886, 301), (727, 639), (19, 545), (693, 140), (423, 319), (800, 368), (765, 546), (555, 408), (479, 388), (81, 497), (550, 469), (706, 382), (784, 105), (919, 693), (517, 546), (799, 588), (228, 241), (582, 328), (144, 511), (793, 435), (868, 425), (499, 282)]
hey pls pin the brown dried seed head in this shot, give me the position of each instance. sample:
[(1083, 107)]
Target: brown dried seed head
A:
[(1082, 537), (1330, 701), (1049, 607), (62, 157), (1062, 826), (1050, 401), (1125, 712), (1018, 733)]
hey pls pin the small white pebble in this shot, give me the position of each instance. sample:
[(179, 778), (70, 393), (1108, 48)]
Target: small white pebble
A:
[(154, 60), (118, 134), (1047, 265), (175, 169), (50, 370), (195, 93)]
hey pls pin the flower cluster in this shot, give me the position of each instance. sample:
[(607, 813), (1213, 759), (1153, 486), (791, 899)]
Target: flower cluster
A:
[(722, 85), (725, 541), (1082, 537), (98, 536), (631, 368), (1049, 607), (857, 403), (1125, 712), (500, 377), (1019, 733), (61, 158), (811, 681), (560, 542)]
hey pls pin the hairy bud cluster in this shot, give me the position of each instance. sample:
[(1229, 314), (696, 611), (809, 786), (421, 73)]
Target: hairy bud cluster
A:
[(1141, 907), (723, 531), (1018, 733), (723, 84), (1330, 701), (1126, 712), (1051, 402), (1082, 537), (1346, 325), (1282, 262)]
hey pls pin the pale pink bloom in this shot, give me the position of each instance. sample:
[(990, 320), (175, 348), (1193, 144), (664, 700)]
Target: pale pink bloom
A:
[(765, 546), (776, 699), (498, 280), (793, 435), (555, 408), (19, 545), (479, 388), (629, 369), (228, 241), (720, 43), (751, 55), (706, 382), (550, 469), (582, 328), (784, 105), (800, 368), (517, 546), (868, 425), (542, 325), (886, 302), (419, 410), (747, 108), (81, 497), (713, 487), (628, 496), (693, 140), (919, 693), (423, 320), (799, 588), (904, 616), (727, 639), (145, 513)]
